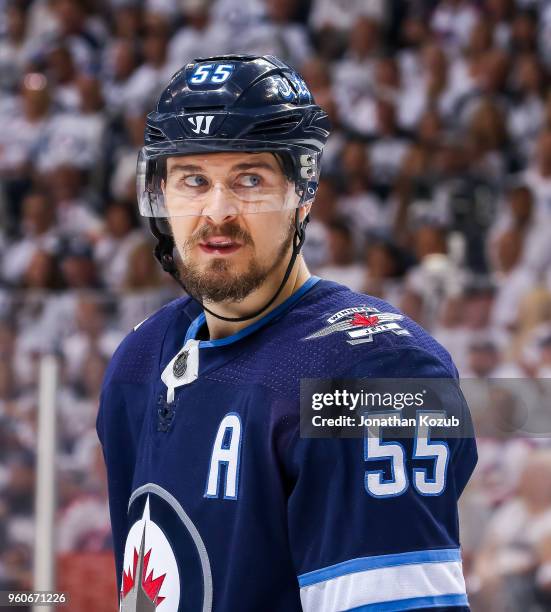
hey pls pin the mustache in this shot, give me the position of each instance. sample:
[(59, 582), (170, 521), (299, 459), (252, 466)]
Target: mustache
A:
[(231, 230)]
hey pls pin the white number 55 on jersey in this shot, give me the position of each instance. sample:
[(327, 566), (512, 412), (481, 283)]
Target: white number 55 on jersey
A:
[(423, 448)]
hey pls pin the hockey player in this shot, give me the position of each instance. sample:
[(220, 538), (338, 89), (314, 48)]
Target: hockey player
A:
[(217, 502)]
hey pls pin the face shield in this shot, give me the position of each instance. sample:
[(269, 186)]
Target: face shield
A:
[(182, 178)]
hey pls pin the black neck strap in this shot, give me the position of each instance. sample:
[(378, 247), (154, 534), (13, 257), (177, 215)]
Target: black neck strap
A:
[(164, 253)]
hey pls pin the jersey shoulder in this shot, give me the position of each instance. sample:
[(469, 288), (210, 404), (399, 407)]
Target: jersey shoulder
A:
[(359, 325), (335, 332), (137, 357)]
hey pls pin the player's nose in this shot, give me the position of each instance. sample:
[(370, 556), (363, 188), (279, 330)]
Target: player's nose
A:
[(221, 206)]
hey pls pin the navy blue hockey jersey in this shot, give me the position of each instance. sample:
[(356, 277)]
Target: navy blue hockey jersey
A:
[(218, 503)]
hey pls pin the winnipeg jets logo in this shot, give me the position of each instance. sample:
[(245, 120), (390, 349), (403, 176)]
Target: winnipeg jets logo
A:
[(164, 554), (147, 549), (287, 92), (197, 123), (361, 323)]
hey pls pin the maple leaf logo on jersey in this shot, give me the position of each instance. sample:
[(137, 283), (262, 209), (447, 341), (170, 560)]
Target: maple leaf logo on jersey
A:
[(361, 324), (361, 320)]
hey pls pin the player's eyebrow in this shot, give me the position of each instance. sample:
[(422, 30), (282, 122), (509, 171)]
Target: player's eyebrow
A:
[(185, 168), (237, 168), (251, 165)]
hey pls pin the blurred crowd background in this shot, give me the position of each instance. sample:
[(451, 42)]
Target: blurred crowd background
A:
[(436, 195)]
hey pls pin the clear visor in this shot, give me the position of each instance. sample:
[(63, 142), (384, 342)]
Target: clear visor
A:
[(246, 178)]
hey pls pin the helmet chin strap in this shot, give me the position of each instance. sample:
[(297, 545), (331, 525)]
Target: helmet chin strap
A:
[(164, 253)]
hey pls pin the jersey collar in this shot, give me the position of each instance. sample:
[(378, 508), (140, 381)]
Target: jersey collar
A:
[(246, 331)]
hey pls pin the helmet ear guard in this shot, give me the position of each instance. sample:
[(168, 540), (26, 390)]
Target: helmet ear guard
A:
[(164, 249)]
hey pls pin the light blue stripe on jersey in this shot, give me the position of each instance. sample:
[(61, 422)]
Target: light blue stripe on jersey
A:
[(414, 604), (369, 563)]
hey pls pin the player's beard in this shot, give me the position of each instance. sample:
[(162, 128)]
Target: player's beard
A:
[(217, 282)]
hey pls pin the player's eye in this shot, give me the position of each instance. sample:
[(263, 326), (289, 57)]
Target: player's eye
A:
[(195, 180), (249, 180)]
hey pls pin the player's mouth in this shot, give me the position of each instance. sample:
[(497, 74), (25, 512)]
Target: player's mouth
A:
[(219, 245)]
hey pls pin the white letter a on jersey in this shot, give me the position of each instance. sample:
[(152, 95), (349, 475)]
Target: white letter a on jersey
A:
[(226, 452)]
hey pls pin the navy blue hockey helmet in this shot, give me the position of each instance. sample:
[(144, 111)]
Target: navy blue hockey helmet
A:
[(234, 103)]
